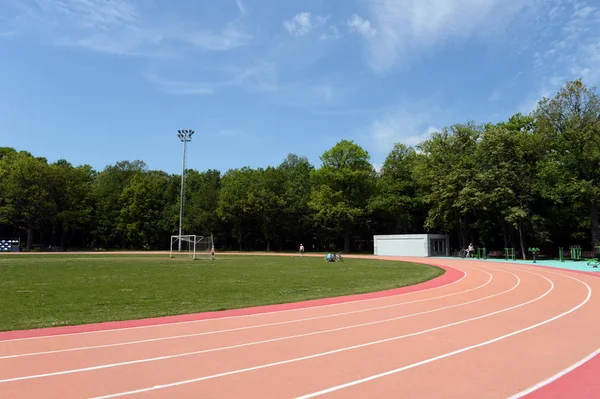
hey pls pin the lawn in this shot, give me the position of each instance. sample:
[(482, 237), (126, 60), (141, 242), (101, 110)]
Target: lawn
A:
[(55, 290)]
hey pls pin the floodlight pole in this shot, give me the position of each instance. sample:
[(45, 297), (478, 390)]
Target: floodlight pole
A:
[(185, 136)]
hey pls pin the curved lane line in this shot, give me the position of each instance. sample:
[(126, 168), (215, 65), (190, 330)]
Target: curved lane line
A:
[(106, 366), (321, 354), (456, 352), (268, 312), (245, 328), (556, 376)]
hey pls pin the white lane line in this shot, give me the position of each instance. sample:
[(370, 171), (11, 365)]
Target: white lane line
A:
[(456, 352), (245, 315), (321, 354), (556, 376), (105, 366), (242, 328)]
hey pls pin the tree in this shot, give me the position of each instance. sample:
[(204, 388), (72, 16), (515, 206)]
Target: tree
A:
[(396, 190), (342, 188), (448, 166), (570, 124), (26, 200), (202, 201), (296, 188), (70, 189), (142, 220), (502, 188), (235, 207), (108, 187), (267, 201)]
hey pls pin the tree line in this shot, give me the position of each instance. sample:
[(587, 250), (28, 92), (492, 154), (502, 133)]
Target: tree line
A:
[(533, 180)]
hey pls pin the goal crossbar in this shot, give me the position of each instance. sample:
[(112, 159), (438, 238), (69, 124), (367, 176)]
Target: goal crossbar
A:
[(194, 246)]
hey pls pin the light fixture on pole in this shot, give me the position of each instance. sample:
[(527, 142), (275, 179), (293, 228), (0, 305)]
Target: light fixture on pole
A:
[(185, 136)]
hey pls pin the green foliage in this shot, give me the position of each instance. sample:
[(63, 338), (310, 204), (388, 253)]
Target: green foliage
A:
[(447, 170), (530, 180), (341, 189), (396, 195)]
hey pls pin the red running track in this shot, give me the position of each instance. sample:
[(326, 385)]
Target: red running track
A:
[(492, 330)]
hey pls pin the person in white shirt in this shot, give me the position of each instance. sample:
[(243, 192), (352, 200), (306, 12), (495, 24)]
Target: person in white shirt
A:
[(301, 250), (470, 250)]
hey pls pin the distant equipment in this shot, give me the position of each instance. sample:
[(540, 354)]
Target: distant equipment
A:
[(9, 245), (195, 247)]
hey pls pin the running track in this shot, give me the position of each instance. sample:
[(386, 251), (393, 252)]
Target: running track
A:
[(483, 330)]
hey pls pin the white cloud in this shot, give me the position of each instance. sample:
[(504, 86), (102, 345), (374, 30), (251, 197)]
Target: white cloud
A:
[(408, 28), (333, 33), (359, 24), (119, 27), (402, 126), (302, 23)]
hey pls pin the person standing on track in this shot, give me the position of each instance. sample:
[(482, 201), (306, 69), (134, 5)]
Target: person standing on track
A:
[(301, 250)]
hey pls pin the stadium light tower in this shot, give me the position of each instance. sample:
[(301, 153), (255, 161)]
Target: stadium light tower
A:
[(185, 136)]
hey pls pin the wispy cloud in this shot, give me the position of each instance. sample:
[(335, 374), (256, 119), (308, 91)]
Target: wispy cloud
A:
[(119, 27), (259, 78), (360, 25), (240, 6), (332, 34), (407, 29), (302, 23), (572, 51), (407, 124), (179, 87)]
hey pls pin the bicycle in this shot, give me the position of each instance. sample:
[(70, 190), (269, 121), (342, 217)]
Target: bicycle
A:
[(335, 257), (459, 254)]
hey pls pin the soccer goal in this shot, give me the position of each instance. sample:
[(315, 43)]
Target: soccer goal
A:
[(193, 246)]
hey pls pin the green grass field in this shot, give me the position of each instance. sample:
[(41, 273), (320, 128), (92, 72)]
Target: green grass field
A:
[(56, 290)]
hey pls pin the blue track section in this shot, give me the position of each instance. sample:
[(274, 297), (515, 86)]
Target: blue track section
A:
[(567, 264)]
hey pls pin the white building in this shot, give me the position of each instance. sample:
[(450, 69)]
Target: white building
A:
[(418, 245)]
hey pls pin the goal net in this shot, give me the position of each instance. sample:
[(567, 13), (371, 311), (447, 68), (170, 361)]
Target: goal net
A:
[(192, 246)]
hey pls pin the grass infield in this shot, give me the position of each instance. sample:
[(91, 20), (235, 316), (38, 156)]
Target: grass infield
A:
[(57, 290)]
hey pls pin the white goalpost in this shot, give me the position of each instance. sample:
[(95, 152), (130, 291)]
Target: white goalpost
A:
[(195, 247)]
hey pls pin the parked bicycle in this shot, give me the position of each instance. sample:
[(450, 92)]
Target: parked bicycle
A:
[(335, 257)]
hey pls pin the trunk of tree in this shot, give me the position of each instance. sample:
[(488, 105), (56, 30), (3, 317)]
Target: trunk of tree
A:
[(268, 245), (595, 216), (347, 242), (29, 235), (523, 253), (461, 230), (405, 226), (504, 235)]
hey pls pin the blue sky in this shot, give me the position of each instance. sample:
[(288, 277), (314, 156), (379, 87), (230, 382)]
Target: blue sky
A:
[(99, 81)]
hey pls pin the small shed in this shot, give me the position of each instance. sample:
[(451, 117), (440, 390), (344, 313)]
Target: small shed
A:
[(417, 245)]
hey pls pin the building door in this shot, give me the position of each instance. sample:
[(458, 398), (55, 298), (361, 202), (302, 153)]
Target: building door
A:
[(438, 247)]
